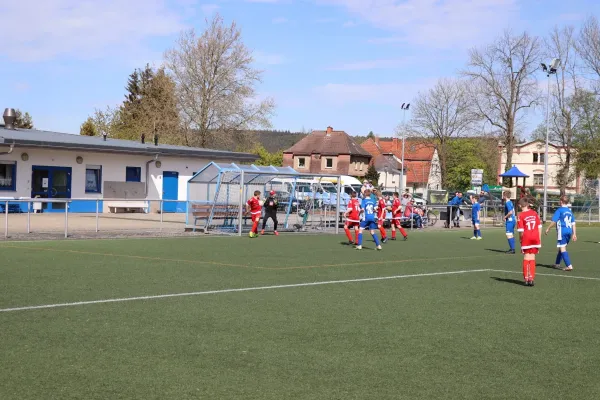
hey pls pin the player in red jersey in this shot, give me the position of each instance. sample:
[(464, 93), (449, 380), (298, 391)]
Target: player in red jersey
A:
[(352, 218), (254, 206), (381, 212), (397, 216), (530, 233)]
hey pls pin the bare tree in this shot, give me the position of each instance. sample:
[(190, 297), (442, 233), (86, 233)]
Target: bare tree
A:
[(588, 47), (216, 85), (442, 114), (503, 83), (561, 44)]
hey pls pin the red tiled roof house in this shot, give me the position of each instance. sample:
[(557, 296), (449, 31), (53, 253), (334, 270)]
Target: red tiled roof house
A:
[(328, 152)]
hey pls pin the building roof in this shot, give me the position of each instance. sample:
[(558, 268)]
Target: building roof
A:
[(514, 172), (417, 172), (381, 162), (327, 143), (65, 141), (413, 149), (542, 142)]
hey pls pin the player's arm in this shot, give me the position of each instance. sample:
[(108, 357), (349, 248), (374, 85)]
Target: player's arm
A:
[(552, 224), (574, 231), (508, 215)]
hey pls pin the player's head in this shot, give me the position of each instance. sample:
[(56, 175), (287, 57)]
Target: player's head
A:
[(272, 193), (256, 193), (367, 192), (506, 195), (353, 194), (476, 197), (524, 204), (564, 200), (396, 195)]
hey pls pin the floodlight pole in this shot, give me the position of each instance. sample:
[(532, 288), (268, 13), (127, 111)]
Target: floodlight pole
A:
[(404, 110), (549, 71), (240, 211), (338, 205)]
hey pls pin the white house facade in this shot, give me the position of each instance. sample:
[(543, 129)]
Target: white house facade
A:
[(51, 165)]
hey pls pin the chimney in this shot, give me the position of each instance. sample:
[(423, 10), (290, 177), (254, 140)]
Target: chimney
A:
[(329, 130), (143, 138), (9, 116), (104, 135), (156, 140), (395, 145)]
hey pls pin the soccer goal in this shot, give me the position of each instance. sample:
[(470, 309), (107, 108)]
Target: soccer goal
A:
[(217, 195)]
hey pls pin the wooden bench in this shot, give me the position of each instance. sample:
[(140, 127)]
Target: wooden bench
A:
[(226, 212)]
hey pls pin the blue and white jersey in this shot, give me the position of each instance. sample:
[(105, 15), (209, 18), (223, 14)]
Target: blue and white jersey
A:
[(508, 207), (475, 212), (565, 220), (368, 205)]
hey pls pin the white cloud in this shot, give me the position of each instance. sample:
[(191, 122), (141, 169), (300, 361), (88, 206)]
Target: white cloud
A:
[(84, 28), (434, 23), (340, 94), (268, 59), (372, 64), (280, 20)]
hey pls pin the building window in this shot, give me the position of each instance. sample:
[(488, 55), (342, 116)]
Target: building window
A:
[(329, 163), (541, 157), (133, 174), (301, 162), (362, 165), (356, 165), (538, 179), (93, 179), (8, 175), (538, 157), (535, 158)]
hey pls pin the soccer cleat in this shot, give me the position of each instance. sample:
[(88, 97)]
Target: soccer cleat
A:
[(556, 266), (384, 240), (569, 268), (262, 232), (351, 243), (474, 238), (526, 283), (531, 283), (479, 238), (358, 247), (379, 247), (511, 251), (393, 238), (405, 238), (276, 233), (251, 234)]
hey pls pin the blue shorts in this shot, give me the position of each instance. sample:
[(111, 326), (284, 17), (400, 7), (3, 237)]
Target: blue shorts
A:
[(564, 240), (475, 221), (369, 225), (510, 227)]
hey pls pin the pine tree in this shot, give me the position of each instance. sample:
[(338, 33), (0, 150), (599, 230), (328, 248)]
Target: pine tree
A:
[(88, 128), (372, 175), (23, 121)]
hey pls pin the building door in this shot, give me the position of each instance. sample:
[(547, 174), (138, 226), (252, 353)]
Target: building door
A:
[(170, 190), (51, 183)]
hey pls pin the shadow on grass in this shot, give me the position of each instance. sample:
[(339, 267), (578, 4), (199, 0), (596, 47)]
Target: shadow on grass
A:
[(497, 251), (589, 241), (509, 280), (464, 237), (549, 266)]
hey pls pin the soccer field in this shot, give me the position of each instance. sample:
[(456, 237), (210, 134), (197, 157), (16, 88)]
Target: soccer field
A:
[(297, 317)]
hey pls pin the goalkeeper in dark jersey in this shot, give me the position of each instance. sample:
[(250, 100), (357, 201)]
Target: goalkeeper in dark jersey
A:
[(270, 207)]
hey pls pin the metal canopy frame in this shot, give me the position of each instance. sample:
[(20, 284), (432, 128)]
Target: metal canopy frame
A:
[(252, 174)]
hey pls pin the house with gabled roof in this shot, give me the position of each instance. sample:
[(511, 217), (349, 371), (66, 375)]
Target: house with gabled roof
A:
[(422, 166), (328, 152)]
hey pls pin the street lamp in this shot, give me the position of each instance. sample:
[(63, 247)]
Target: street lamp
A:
[(549, 71), (404, 108)]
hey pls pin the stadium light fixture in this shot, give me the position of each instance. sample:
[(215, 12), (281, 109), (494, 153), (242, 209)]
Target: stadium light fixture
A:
[(549, 70), (404, 108)]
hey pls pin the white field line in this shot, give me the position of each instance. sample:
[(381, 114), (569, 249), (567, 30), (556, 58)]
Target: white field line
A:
[(542, 274), (248, 289)]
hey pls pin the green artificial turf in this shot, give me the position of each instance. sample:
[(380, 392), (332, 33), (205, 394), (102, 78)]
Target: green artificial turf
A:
[(471, 335)]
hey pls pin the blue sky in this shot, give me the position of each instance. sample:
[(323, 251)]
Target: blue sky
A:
[(344, 63)]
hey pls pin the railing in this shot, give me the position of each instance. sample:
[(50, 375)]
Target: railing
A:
[(32, 205)]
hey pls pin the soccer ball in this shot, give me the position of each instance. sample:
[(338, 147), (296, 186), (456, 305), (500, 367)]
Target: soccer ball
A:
[(301, 212)]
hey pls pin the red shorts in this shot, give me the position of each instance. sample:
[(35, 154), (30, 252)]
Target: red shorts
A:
[(396, 223), (534, 250), (352, 224), (255, 217)]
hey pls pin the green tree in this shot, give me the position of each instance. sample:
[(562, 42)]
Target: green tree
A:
[(372, 175), (88, 128), (371, 135), (266, 158), (23, 121), (465, 155), (586, 110)]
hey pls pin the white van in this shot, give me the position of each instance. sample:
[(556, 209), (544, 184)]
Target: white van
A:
[(349, 184)]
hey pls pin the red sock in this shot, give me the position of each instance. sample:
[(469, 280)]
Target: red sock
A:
[(532, 269), (348, 234), (394, 234), (403, 232), (526, 270), (255, 227), (382, 230)]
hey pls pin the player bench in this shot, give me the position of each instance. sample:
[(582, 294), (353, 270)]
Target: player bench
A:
[(126, 206), (226, 212)]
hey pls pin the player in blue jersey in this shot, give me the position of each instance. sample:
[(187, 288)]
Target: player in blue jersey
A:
[(369, 219), (565, 228), (510, 221), (475, 217)]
